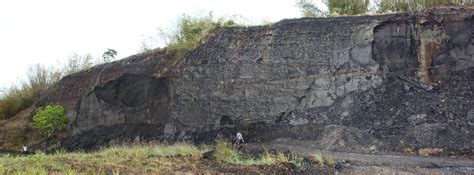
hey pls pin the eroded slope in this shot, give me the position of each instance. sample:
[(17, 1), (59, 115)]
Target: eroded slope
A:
[(393, 81)]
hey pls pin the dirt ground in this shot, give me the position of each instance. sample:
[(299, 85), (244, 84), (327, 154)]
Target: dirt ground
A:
[(376, 163)]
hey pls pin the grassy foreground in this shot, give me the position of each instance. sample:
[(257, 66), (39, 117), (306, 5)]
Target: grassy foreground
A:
[(116, 160), (137, 159)]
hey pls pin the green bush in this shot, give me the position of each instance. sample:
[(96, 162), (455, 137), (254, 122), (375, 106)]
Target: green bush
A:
[(187, 34), (49, 119), (109, 55), (309, 9)]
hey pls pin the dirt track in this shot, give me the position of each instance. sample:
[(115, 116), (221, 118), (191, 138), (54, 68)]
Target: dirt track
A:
[(380, 163)]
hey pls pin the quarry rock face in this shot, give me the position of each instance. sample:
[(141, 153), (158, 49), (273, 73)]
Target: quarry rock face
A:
[(394, 81)]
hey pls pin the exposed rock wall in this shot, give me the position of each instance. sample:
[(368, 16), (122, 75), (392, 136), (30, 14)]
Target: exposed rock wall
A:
[(393, 81)]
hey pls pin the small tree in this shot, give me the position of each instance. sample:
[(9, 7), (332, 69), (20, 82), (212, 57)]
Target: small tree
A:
[(309, 9), (109, 55), (49, 119), (76, 63)]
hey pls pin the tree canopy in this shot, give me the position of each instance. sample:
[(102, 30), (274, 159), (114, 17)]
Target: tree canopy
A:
[(49, 119)]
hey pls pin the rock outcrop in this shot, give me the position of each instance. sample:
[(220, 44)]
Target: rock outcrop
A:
[(393, 81)]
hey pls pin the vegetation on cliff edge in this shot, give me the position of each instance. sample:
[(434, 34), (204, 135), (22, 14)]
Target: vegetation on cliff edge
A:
[(309, 8)]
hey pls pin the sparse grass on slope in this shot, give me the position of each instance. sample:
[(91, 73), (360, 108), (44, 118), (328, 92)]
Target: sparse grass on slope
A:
[(226, 153), (154, 159), (124, 159)]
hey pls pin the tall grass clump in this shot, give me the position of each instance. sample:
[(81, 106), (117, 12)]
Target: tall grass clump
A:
[(321, 160), (178, 149), (318, 158), (226, 153)]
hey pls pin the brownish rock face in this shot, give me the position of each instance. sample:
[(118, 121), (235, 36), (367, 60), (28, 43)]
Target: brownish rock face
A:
[(393, 81)]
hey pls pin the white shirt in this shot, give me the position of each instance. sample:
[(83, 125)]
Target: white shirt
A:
[(239, 136)]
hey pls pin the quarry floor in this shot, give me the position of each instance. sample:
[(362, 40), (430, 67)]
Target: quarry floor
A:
[(377, 163)]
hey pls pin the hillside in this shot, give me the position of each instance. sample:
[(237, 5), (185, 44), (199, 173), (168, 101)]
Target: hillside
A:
[(389, 82)]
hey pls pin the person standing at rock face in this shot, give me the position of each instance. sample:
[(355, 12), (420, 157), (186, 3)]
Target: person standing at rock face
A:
[(25, 150), (239, 138)]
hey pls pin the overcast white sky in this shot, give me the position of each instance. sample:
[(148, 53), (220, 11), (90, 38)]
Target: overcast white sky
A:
[(48, 31)]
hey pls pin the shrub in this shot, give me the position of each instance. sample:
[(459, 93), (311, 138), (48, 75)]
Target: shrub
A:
[(39, 81), (409, 151), (353, 7), (330, 161), (13, 101), (309, 9), (190, 31), (76, 63), (49, 119), (21, 96), (109, 55), (187, 34)]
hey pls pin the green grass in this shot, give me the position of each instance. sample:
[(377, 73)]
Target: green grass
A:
[(318, 158), (118, 159), (321, 160), (330, 161), (225, 152), (148, 159), (179, 149)]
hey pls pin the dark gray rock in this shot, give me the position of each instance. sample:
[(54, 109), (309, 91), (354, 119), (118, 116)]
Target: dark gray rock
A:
[(417, 119), (292, 79), (470, 117)]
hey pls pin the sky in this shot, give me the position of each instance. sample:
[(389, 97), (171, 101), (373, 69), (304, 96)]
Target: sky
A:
[(49, 31)]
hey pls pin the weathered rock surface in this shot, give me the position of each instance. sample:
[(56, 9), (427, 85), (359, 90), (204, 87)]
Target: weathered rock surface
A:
[(393, 81)]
